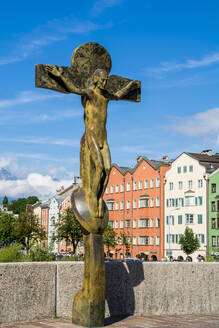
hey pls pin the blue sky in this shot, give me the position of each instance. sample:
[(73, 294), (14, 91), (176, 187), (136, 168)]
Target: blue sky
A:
[(171, 46)]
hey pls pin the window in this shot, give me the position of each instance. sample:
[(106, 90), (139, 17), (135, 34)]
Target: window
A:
[(134, 223), (199, 218), (213, 187), (116, 206), (180, 184), (158, 223), (200, 183), (213, 223), (134, 240), (179, 219), (112, 189), (135, 186), (158, 182), (143, 223), (128, 186), (214, 241), (213, 206), (127, 223), (152, 223), (184, 169), (128, 204), (117, 188), (179, 169), (217, 223), (134, 203), (201, 238), (151, 240), (140, 185), (152, 183), (152, 202), (107, 190), (111, 224), (217, 241), (158, 240), (190, 168), (181, 202), (190, 184), (171, 186), (121, 224), (122, 187), (116, 224), (122, 205), (143, 202), (109, 206), (170, 220), (143, 240), (157, 201), (145, 184), (189, 200), (198, 200), (189, 218)]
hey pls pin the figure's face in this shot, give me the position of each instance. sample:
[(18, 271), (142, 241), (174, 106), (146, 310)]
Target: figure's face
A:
[(100, 80)]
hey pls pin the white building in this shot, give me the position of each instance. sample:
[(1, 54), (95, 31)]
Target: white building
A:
[(186, 201)]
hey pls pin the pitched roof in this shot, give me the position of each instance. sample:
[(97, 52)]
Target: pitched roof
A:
[(153, 163), (211, 163)]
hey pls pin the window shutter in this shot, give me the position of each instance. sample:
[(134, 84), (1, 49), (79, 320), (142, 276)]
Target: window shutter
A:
[(199, 218), (167, 220)]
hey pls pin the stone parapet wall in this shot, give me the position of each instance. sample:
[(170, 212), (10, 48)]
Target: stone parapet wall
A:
[(30, 291)]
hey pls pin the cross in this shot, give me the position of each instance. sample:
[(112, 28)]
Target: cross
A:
[(89, 77)]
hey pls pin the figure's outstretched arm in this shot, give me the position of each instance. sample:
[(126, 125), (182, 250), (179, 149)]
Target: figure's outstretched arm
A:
[(132, 85), (70, 87)]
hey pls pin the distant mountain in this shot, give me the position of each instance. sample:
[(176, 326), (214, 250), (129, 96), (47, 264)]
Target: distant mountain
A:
[(6, 175)]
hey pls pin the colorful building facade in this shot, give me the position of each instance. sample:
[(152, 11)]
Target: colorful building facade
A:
[(213, 210), (135, 201)]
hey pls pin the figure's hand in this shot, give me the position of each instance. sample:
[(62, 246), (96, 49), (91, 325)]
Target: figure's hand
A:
[(55, 70)]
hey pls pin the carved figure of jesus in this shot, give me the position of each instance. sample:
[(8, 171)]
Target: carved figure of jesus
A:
[(94, 147)]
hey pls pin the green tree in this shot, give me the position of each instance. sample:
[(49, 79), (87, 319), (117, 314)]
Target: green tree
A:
[(189, 243), (6, 229), (19, 206), (109, 238), (125, 241), (69, 229), (27, 230), (5, 201)]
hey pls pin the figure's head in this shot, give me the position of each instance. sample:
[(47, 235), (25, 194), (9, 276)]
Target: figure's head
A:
[(100, 78)]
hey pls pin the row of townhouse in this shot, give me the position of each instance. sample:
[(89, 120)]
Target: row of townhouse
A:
[(50, 212), (154, 202)]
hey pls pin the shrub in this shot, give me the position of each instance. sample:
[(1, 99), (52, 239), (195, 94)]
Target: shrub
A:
[(12, 254), (40, 253), (71, 258)]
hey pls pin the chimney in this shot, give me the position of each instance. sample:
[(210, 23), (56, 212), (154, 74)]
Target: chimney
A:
[(207, 152), (165, 159), (139, 158)]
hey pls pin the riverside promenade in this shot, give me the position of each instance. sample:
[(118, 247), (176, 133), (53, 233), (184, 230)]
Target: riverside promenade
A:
[(149, 321)]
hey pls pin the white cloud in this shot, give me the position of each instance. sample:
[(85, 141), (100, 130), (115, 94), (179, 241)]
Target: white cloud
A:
[(43, 140), (43, 186), (200, 124), (27, 97), (166, 67), (100, 5), (44, 35)]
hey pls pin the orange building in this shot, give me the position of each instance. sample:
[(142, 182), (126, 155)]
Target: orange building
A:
[(45, 219), (135, 199)]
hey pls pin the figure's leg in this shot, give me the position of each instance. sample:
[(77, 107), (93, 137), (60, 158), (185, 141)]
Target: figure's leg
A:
[(105, 176), (95, 173)]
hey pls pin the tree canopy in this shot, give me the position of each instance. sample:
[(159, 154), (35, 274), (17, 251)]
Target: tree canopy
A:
[(109, 238), (69, 229), (5, 201), (189, 243), (27, 230), (6, 229), (19, 206)]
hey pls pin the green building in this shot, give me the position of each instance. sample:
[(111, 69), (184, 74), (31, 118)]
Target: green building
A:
[(213, 215)]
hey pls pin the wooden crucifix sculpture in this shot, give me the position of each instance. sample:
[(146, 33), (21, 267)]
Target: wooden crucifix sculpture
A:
[(88, 77)]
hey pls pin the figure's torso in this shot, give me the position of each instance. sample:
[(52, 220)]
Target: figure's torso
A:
[(95, 116)]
